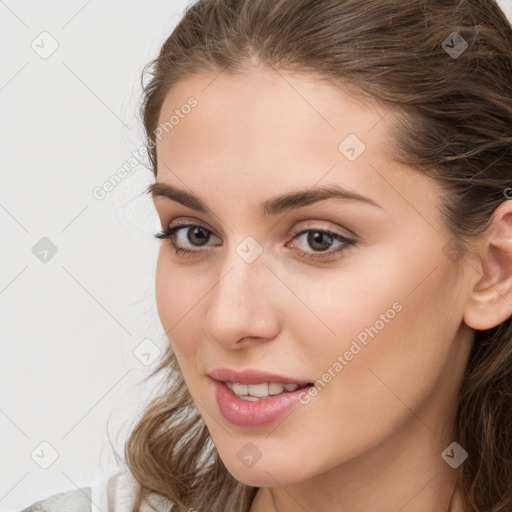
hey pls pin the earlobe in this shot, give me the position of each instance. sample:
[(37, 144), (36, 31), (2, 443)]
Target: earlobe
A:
[(490, 299)]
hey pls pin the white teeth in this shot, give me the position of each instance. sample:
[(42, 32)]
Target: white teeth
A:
[(253, 392), (275, 389), (240, 389), (249, 398), (258, 390)]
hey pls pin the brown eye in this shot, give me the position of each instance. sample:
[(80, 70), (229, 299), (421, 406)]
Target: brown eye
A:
[(319, 240), (198, 234)]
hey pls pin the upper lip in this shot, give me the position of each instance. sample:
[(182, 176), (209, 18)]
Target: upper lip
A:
[(252, 376)]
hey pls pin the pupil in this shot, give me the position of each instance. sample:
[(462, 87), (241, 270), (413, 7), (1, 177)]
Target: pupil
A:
[(199, 233), (315, 237)]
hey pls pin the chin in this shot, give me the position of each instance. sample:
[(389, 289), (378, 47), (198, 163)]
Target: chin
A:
[(265, 474), (262, 478)]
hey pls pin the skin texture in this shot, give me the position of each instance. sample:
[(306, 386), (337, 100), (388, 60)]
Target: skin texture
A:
[(372, 438)]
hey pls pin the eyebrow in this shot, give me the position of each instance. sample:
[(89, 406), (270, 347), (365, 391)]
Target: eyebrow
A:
[(273, 206)]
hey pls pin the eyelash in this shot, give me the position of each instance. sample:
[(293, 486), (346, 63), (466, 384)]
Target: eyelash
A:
[(169, 234)]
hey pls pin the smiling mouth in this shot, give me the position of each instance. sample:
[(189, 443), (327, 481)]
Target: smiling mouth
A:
[(255, 392)]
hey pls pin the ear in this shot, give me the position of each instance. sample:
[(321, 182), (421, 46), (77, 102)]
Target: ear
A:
[(490, 300)]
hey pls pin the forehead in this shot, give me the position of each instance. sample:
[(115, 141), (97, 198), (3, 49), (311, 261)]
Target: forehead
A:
[(264, 130), (262, 106)]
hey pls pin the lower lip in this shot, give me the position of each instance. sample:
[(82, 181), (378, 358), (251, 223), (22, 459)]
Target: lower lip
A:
[(245, 413)]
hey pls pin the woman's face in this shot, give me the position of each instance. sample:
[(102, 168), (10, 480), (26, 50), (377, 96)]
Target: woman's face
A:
[(357, 293)]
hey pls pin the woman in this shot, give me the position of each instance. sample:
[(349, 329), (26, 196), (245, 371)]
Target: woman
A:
[(335, 275)]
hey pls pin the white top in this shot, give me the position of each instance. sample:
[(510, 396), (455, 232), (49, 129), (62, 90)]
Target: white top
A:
[(115, 493)]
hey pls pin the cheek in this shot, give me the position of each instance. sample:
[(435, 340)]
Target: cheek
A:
[(178, 293), (395, 345), (394, 325), (391, 293), (357, 301)]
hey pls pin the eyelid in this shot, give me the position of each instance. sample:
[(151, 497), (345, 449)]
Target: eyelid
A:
[(314, 224), (310, 224), (191, 221), (346, 242)]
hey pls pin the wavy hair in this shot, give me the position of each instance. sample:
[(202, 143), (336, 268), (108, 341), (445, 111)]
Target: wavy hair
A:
[(454, 124)]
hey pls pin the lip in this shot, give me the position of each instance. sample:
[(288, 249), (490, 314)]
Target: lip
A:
[(252, 376), (259, 413)]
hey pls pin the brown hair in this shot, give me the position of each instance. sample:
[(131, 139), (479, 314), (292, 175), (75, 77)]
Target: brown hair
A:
[(454, 124)]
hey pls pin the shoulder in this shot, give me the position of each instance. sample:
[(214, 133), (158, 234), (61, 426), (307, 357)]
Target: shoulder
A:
[(114, 493), (77, 500)]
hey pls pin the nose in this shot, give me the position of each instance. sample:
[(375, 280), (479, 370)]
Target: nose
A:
[(243, 305)]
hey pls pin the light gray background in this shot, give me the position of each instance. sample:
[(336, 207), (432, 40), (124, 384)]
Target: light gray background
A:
[(71, 326)]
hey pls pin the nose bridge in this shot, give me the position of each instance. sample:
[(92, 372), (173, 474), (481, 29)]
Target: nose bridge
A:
[(241, 302), (244, 270)]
